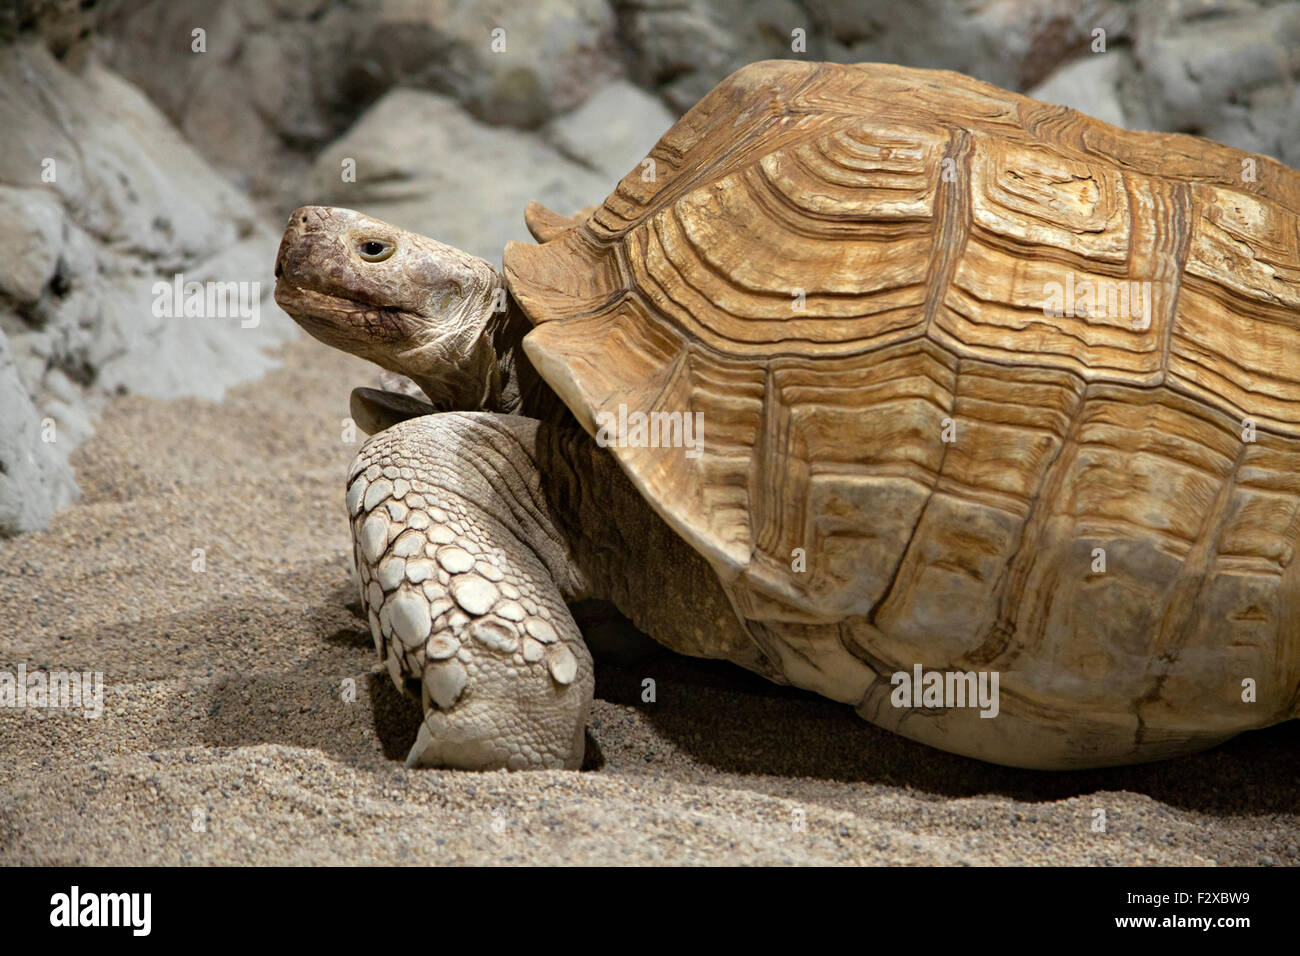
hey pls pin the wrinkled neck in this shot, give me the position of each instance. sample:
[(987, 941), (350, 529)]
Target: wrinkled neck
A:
[(523, 391), (484, 367)]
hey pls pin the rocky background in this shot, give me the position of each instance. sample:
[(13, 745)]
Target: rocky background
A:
[(133, 148)]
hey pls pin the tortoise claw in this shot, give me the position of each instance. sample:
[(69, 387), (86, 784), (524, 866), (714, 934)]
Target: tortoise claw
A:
[(375, 410)]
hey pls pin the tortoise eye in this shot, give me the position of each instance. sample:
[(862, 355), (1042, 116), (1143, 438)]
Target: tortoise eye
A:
[(375, 250)]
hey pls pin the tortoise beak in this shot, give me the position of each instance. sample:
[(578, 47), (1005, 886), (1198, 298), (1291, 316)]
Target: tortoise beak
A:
[(311, 257), (295, 231), (292, 264)]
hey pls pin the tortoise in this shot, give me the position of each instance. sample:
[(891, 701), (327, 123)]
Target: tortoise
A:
[(842, 384)]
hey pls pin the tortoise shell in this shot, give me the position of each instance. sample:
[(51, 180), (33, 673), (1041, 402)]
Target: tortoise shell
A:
[(896, 297)]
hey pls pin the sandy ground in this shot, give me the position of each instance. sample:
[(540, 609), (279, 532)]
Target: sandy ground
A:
[(225, 738)]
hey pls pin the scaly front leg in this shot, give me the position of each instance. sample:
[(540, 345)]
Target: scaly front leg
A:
[(464, 578)]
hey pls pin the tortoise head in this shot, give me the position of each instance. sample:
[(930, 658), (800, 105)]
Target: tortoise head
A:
[(404, 301)]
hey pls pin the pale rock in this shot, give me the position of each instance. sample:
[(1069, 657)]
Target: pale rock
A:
[(613, 131), (401, 146)]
